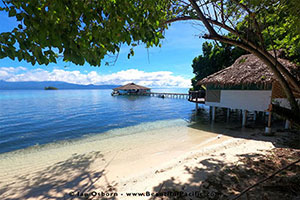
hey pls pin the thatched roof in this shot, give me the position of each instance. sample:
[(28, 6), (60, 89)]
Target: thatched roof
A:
[(246, 70), (131, 86)]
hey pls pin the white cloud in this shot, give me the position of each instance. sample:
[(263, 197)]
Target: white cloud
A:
[(153, 79), (13, 69)]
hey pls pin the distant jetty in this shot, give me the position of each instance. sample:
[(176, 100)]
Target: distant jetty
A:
[(50, 88)]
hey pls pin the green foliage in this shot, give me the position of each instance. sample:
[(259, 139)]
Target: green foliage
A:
[(85, 31), (80, 31), (50, 88), (278, 22), (281, 30), (214, 59)]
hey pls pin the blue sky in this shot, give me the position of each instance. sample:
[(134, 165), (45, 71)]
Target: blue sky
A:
[(168, 66)]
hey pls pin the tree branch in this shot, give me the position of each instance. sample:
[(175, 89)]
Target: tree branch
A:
[(254, 47), (183, 18), (203, 19), (215, 22), (252, 15), (4, 3), (215, 12), (222, 11), (262, 50), (282, 69)]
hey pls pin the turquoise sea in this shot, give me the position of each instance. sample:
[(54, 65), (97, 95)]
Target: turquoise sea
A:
[(36, 117)]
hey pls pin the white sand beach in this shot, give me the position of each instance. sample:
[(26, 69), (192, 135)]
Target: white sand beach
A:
[(141, 162)]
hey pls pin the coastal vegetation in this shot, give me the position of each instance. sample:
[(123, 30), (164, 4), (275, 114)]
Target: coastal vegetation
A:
[(81, 31), (50, 88), (40, 85), (214, 58)]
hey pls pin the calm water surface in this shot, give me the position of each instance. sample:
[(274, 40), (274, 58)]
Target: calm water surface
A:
[(34, 117)]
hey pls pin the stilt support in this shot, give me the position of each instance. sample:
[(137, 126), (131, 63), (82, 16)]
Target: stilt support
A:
[(269, 119), (287, 124), (244, 120), (228, 114), (213, 113), (268, 129)]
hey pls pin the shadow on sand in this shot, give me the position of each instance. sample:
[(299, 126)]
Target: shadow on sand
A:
[(217, 180), (59, 180), (213, 179)]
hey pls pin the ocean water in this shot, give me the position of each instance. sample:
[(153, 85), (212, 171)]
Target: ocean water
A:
[(36, 117)]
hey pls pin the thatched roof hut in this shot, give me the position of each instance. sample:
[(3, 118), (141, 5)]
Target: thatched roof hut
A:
[(248, 84), (131, 86), (247, 70)]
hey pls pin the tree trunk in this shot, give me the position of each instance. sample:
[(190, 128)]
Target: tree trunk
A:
[(283, 70), (285, 86)]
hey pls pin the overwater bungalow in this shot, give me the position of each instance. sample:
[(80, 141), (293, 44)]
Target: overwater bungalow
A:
[(130, 88), (248, 85)]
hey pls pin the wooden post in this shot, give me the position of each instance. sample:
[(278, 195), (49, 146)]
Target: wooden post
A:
[(213, 113), (196, 106), (228, 113), (287, 124), (269, 119), (268, 129), (239, 113), (244, 120), (254, 116)]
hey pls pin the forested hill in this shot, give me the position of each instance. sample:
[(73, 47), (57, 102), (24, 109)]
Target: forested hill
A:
[(35, 85)]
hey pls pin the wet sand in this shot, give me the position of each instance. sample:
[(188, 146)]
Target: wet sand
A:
[(137, 162)]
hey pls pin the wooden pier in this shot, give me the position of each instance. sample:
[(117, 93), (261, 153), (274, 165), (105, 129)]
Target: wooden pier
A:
[(192, 96), (167, 95)]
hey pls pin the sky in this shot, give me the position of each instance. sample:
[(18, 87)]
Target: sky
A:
[(168, 66)]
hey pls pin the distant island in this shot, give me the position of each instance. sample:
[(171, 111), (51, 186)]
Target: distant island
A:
[(41, 85), (51, 88)]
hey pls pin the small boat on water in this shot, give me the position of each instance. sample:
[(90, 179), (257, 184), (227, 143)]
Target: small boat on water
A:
[(115, 93)]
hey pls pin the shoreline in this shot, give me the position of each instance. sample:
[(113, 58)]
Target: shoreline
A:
[(132, 163)]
